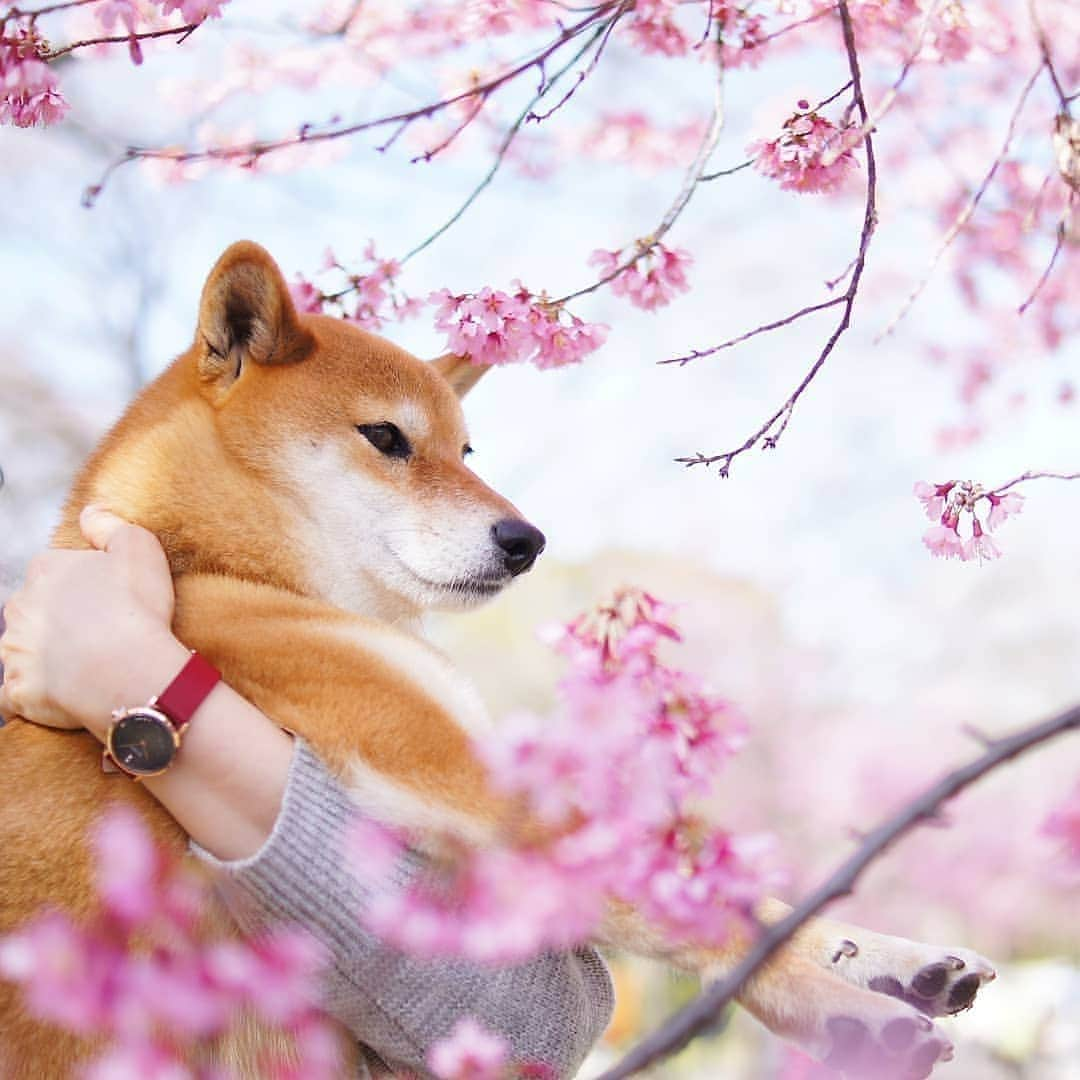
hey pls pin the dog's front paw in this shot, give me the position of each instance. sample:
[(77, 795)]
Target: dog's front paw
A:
[(936, 981), (873, 1046)]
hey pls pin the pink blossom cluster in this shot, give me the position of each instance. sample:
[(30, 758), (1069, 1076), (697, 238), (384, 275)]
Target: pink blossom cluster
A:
[(138, 972), (610, 780), (494, 327), (657, 28), (369, 298), (811, 154), (948, 504), (650, 279), (1063, 825), (29, 92)]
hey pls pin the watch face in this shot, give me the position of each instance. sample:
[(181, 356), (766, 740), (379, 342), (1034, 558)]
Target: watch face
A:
[(143, 742)]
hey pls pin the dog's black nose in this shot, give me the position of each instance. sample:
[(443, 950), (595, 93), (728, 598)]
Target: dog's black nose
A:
[(520, 542)]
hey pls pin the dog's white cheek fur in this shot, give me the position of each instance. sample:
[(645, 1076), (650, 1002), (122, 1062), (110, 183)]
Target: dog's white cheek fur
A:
[(369, 549)]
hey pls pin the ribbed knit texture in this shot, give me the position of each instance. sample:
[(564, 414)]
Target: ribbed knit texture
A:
[(549, 1010)]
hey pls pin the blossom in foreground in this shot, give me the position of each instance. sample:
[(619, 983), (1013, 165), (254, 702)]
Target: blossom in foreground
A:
[(194, 11), (138, 974), (611, 780), (951, 503), (811, 154), (495, 327), (651, 279), (469, 1052)]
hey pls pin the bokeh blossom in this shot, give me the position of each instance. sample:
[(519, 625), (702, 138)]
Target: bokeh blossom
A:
[(154, 1005), (1063, 825), (611, 780)]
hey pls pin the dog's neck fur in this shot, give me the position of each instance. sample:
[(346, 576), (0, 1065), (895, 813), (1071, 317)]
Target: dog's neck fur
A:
[(203, 507)]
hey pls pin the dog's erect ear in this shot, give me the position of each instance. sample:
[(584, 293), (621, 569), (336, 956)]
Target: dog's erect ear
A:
[(246, 314), (460, 372)]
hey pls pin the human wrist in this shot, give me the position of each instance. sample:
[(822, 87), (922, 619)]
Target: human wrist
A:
[(152, 667)]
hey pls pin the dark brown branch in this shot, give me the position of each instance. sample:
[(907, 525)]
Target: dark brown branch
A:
[(122, 39), (508, 139), (770, 432), (702, 1011), (252, 152), (764, 329)]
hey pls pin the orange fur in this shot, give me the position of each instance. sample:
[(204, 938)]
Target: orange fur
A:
[(217, 457)]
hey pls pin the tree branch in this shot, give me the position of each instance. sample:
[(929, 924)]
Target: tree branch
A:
[(701, 1012), (250, 153), (1024, 477), (770, 432)]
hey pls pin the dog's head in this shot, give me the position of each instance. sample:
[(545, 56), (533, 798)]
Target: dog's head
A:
[(362, 444)]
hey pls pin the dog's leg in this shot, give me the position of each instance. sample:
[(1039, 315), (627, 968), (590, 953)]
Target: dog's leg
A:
[(937, 981), (799, 996)]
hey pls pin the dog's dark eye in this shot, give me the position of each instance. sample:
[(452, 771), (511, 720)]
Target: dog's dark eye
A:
[(386, 438)]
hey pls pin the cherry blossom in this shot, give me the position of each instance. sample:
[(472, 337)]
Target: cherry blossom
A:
[(953, 502), (811, 154), (194, 11), (97, 975), (29, 92), (611, 778), (369, 297), (469, 1053), (494, 327), (650, 279)]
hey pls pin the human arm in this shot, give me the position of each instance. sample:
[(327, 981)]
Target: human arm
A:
[(90, 632)]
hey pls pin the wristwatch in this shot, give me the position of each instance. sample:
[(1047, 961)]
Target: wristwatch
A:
[(143, 741)]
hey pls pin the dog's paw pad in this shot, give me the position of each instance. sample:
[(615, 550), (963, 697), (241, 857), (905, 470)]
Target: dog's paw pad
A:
[(931, 980), (963, 992), (904, 1046), (938, 982), (848, 1041)]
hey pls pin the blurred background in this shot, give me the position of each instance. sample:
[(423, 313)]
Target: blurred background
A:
[(804, 591)]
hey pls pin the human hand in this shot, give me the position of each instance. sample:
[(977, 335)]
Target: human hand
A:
[(79, 624)]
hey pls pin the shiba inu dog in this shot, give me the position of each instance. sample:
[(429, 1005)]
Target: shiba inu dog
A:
[(307, 481)]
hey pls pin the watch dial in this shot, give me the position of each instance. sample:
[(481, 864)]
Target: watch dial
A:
[(143, 743)]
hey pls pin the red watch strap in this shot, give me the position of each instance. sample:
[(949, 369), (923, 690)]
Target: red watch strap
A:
[(179, 700)]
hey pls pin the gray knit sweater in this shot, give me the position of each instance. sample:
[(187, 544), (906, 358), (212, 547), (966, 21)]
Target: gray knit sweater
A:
[(549, 1010)]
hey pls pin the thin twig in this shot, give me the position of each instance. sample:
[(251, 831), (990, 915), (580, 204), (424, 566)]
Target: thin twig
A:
[(504, 146), (771, 431), (972, 204), (249, 153), (1025, 477), (1044, 276), (726, 172), (690, 183), (703, 1010), (122, 39), (787, 320), (1044, 48), (34, 13)]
